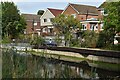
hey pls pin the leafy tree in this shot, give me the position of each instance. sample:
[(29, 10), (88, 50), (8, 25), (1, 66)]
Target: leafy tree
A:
[(12, 23), (40, 12), (112, 20), (102, 39), (66, 25)]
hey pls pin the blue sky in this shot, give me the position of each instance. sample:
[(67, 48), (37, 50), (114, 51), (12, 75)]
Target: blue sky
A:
[(33, 6)]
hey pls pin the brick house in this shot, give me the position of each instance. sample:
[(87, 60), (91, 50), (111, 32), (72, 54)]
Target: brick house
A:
[(47, 28), (89, 16), (33, 24)]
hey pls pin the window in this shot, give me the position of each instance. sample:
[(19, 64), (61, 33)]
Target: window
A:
[(101, 26), (92, 27), (35, 23), (44, 30), (74, 15), (51, 19), (45, 20), (104, 12), (84, 26), (96, 27), (51, 30)]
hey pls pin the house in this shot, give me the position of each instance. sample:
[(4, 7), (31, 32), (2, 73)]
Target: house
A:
[(33, 24), (89, 16), (47, 28)]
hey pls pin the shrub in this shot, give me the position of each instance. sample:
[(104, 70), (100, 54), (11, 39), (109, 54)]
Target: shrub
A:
[(114, 47), (38, 41), (75, 43), (89, 39)]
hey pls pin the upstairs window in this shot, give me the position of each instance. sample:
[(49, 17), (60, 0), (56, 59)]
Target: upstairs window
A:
[(50, 19), (74, 15), (35, 23), (104, 12), (45, 20)]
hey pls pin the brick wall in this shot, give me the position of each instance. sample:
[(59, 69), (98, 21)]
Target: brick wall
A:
[(30, 26)]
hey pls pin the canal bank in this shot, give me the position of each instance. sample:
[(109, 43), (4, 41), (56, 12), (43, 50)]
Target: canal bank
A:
[(82, 53), (76, 53), (74, 58), (77, 56)]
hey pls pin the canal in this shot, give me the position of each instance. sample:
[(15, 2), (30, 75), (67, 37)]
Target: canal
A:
[(24, 65)]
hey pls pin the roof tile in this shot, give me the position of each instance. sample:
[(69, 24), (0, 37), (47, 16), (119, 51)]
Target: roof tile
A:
[(55, 12), (85, 9)]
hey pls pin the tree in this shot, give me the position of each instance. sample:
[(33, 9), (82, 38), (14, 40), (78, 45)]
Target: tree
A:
[(66, 25), (40, 12), (12, 23), (112, 20)]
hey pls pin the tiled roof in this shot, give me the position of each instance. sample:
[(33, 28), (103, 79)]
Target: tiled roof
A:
[(55, 12), (30, 17), (84, 9)]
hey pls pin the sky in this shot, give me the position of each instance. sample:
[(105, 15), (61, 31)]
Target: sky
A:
[(32, 6)]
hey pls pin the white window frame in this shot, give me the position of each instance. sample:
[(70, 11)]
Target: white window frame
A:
[(101, 26), (44, 30), (35, 23), (49, 20), (44, 20), (95, 27), (91, 28), (84, 26)]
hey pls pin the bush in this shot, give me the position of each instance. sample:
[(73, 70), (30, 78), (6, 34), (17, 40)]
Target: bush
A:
[(89, 39), (101, 40), (75, 43), (114, 47), (58, 40), (38, 41)]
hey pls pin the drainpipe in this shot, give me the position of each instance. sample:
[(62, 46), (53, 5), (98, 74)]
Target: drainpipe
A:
[(33, 29)]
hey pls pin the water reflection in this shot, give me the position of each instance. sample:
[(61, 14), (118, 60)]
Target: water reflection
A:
[(29, 66)]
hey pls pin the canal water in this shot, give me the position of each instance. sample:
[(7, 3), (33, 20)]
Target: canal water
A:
[(25, 65)]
